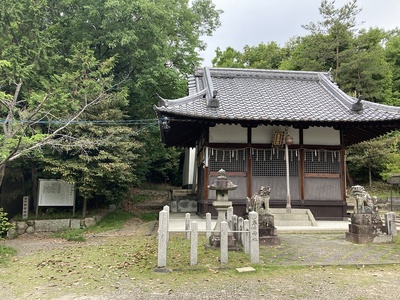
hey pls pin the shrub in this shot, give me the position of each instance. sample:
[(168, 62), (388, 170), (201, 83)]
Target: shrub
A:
[(4, 224)]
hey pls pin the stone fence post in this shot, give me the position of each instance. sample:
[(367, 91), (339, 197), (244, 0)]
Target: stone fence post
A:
[(254, 238), (208, 225), (390, 222), (246, 236), (224, 242), (166, 208), (187, 225), (193, 243), (162, 238), (229, 215)]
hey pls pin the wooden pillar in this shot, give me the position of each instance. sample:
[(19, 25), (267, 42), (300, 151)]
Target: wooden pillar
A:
[(206, 176), (343, 173), (301, 175), (249, 171), (301, 164)]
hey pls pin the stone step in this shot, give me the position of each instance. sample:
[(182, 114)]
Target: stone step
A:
[(292, 223), (299, 217), (276, 211)]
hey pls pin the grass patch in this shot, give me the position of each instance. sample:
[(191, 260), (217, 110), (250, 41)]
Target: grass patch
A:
[(6, 253), (138, 198), (113, 221), (148, 216), (127, 263)]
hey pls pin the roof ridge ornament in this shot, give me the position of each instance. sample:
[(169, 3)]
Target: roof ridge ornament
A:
[(358, 106), (211, 93)]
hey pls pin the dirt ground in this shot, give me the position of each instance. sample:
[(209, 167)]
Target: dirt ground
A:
[(297, 272), (28, 244), (311, 280)]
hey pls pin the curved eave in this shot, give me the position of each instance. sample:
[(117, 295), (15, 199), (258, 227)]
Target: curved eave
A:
[(163, 103)]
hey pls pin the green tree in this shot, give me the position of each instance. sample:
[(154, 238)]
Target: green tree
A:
[(104, 170), (367, 160), (364, 70), (392, 53), (155, 41), (32, 121), (229, 58), (72, 55), (309, 53), (338, 25), (263, 56)]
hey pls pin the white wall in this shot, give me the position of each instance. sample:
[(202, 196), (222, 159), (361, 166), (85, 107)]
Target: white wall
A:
[(263, 134), (321, 136), (223, 133)]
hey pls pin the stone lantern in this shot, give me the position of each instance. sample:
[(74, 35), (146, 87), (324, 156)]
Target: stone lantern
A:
[(221, 186)]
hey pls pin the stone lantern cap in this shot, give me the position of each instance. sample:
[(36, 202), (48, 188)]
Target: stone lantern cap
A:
[(222, 183)]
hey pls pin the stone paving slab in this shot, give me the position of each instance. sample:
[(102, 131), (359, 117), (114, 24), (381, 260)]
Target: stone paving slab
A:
[(327, 249)]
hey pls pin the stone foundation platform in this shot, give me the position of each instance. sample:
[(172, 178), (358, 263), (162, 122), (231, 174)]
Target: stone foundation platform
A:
[(267, 230), (365, 228)]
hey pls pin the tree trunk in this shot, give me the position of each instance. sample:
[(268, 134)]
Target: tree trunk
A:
[(349, 178), (2, 172), (370, 176), (84, 207), (34, 186)]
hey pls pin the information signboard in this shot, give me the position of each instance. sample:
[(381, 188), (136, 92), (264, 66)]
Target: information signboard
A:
[(394, 179), (56, 193)]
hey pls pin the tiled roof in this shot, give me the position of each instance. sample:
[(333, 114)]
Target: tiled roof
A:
[(253, 97), (270, 95)]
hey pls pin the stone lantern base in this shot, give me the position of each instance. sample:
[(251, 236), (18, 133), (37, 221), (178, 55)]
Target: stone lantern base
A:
[(215, 243)]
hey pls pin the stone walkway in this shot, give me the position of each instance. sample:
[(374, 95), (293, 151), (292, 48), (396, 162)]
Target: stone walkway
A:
[(322, 249)]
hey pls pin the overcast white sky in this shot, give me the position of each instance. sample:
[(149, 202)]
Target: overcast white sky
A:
[(250, 22)]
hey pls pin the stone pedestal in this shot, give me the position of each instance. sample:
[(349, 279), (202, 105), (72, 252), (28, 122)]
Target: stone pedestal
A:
[(221, 186), (267, 230), (365, 229), (215, 239)]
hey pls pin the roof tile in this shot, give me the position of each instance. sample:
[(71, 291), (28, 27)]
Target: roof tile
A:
[(268, 95)]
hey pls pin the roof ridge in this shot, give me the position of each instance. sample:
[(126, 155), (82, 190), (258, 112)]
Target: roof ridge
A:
[(262, 73), (348, 101), (388, 108), (333, 89)]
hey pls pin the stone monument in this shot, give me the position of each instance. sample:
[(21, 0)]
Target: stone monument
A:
[(221, 186), (366, 224), (260, 204)]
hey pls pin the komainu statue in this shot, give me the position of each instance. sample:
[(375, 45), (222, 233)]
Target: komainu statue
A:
[(365, 204), (259, 202), (366, 224)]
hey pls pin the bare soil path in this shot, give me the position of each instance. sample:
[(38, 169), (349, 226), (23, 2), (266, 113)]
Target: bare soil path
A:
[(28, 244)]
